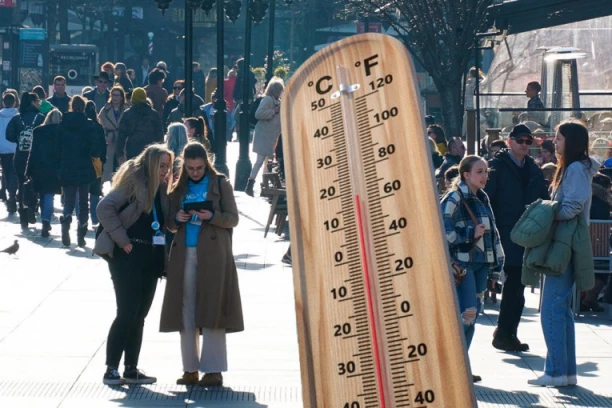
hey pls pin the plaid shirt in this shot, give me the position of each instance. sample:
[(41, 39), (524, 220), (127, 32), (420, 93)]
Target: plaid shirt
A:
[(459, 229)]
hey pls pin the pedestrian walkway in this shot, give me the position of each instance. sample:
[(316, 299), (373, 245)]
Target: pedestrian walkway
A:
[(56, 305)]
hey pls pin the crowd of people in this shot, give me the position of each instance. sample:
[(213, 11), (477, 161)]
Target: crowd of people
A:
[(168, 211), (487, 201)]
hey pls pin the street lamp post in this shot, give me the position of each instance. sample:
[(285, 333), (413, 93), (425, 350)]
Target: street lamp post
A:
[(244, 166), (220, 114), (270, 70)]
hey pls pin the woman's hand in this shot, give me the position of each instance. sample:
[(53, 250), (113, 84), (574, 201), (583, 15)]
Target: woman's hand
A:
[(203, 215), (479, 231), (128, 248), (182, 216)]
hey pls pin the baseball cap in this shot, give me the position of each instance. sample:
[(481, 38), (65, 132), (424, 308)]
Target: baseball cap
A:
[(520, 130)]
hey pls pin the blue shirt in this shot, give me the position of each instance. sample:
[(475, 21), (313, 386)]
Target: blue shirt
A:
[(196, 193)]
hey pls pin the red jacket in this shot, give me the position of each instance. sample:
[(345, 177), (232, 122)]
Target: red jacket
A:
[(228, 92)]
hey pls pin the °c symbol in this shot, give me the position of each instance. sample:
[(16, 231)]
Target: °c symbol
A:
[(358, 64), (310, 83)]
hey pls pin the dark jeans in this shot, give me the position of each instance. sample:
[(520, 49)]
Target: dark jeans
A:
[(9, 175), (70, 197), (512, 303), (135, 284)]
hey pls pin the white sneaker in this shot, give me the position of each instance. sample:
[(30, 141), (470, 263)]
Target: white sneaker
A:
[(548, 381), (572, 380)]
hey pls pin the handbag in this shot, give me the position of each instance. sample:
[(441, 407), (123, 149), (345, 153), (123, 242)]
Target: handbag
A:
[(459, 272)]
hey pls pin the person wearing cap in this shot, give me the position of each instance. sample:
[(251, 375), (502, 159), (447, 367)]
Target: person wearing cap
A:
[(515, 182), (140, 126), (101, 93)]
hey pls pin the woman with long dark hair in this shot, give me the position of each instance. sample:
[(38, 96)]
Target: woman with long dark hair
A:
[(196, 132), (571, 188), (122, 79), (20, 130), (202, 293), (134, 215)]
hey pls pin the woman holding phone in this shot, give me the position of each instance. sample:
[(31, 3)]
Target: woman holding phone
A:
[(202, 294)]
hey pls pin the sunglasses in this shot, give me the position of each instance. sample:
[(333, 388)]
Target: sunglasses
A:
[(528, 142)]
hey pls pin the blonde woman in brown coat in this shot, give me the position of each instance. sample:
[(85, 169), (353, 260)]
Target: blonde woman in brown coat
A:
[(110, 117), (202, 292)]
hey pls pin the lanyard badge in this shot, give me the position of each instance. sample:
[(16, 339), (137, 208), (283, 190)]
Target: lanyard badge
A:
[(158, 236)]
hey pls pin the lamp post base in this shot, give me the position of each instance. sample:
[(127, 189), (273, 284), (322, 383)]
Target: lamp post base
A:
[(243, 171)]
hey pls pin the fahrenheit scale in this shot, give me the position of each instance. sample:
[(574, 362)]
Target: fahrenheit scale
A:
[(377, 316)]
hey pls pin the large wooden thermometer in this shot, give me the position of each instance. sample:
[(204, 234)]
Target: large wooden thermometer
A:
[(376, 310)]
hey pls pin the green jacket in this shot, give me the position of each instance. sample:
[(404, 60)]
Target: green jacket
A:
[(45, 107), (550, 245)]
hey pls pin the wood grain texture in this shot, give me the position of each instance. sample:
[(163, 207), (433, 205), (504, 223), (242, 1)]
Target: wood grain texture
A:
[(413, 298)]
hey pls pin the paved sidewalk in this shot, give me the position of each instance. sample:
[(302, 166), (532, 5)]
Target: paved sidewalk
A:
[(56, 306)]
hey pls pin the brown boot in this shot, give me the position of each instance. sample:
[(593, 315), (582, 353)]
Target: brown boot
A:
[(211, 380), (188, 378)]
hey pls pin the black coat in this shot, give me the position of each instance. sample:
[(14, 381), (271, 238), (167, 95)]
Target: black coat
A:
[(449, 161), (140, 126), (60, 103), (601, 203), (508, 199), (44, 160), (31, 117), (171, 104), (77, 145)]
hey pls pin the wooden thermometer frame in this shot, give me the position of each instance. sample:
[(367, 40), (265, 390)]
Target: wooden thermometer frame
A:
[(377, 314)]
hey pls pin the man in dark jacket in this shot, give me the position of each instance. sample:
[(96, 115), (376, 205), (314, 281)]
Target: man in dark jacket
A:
[(100, 94), (156, 92), (140, 126), (515, 181), (456, 151), (60, 99)]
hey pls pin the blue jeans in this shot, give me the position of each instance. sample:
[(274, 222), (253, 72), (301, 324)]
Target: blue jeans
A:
[(46, 207), (473, 284), (558, 324)]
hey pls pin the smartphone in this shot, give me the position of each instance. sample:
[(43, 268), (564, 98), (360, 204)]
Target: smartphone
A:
[(198, 206)]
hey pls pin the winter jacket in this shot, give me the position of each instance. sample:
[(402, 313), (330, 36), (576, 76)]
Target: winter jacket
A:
[(77, 137), (30, 118), (601, 203), (268, 126), (178, 114), (571, 239), (509, 199), (60, 103), (238, 87), (459, 229), (229, 85), (111, 129), (6, 115), (568, 241), (140, 126), (198, 82), (171, 103), (158, 96), (45, 107), (43, 162), (126, 84), (449, 161), (91, 96)]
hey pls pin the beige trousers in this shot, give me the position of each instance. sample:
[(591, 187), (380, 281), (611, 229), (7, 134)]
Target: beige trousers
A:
[(213, 358)]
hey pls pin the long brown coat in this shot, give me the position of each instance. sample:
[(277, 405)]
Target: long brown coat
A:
[(111, 129), (218, 304)]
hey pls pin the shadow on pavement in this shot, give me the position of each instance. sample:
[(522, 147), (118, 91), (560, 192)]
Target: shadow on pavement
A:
[(581, 397), (513, 398)]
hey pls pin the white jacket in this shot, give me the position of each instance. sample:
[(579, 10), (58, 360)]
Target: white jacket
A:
[(6, 115)]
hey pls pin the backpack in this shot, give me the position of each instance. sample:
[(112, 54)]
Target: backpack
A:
[(253, 109), (24, 143)]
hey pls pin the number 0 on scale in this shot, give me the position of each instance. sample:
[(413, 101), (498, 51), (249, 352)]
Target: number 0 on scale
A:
[(376, 311)]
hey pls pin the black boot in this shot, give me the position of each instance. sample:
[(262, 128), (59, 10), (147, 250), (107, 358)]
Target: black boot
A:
[(46, 229), (23, 219), (31, 214), (249, 187), (81, 232), (11, 206), (66, 221)]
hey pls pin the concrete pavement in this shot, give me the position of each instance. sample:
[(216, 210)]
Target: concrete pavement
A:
[(56, 306)]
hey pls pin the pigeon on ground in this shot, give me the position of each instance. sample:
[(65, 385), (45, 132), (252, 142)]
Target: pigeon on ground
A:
[(12, 250)]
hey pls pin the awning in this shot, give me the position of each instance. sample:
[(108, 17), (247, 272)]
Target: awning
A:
[(519, 16)]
